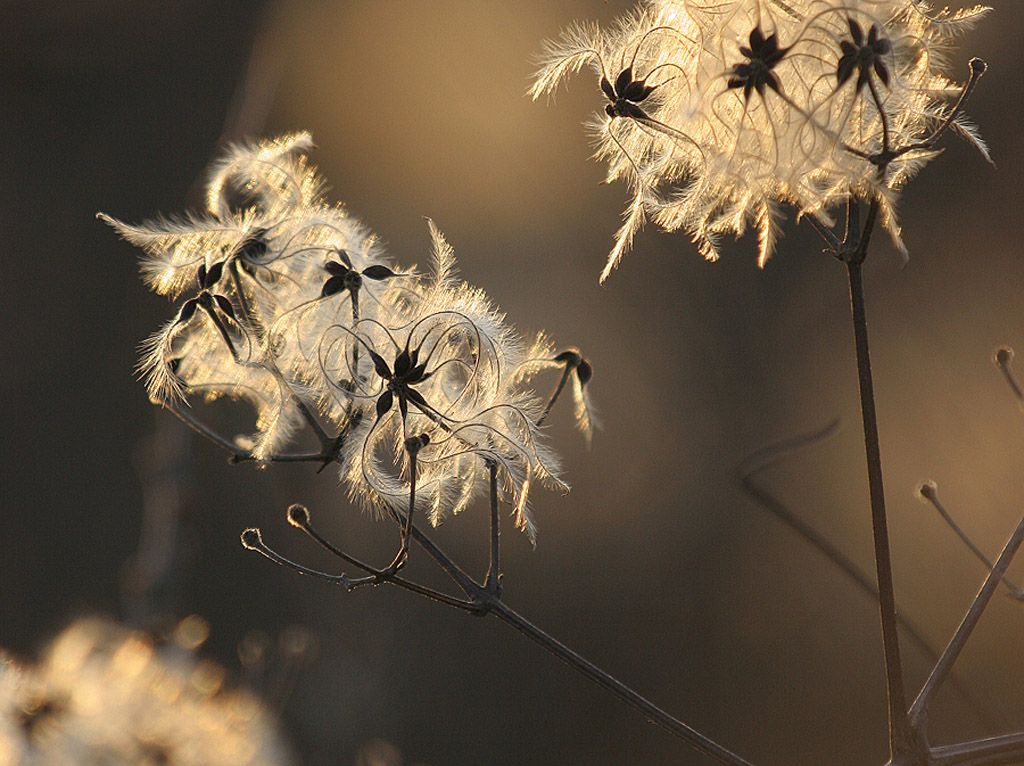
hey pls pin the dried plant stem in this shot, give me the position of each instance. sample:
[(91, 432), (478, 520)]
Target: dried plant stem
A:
[(252, 540), (929, 493), (995, 751), (485, 601), (488, 601), (901, 744), (653, 713), (481, 599), (493, 579), (1002, 358), (833, 242), (767, 457), (238, 454), (919, 712)]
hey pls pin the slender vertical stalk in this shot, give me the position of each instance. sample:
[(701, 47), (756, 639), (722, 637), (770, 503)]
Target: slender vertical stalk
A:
[(900, 738), (493, 581), (403, 551), (761, 460), (355, 322)]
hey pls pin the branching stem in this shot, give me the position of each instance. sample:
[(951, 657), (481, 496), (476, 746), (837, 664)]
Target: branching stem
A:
[(238, 454), (767, 457), (929, 493), (919, 712)]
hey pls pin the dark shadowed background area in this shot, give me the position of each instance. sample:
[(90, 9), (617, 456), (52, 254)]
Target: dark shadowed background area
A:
[(657, 566)]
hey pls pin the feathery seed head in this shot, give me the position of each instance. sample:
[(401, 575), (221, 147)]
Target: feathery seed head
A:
[(749, 105), (295, 309)]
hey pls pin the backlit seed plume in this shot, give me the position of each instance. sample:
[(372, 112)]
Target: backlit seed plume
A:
[(718, 114), (448, 366), (289, 304), (104, 694)]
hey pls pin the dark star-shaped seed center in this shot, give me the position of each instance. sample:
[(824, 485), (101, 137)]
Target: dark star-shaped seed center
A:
[(398, 381), (345, 277), (863, 56), (206, 298), (762, 54), (625, 95)]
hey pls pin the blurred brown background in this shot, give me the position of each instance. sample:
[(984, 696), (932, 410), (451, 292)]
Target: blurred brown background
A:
[(657, 566)]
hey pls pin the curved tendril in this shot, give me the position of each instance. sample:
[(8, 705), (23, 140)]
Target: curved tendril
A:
[(612, 136), (354, 373), (682, 74), (477, 335), (648, 33), (382, 327)]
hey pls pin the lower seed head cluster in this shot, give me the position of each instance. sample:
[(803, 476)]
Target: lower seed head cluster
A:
[(292, 305)]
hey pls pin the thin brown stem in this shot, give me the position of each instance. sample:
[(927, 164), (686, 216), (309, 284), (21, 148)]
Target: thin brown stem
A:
[(326, 442), (994, 751), (483, 601), (851, 235), (252, 540), (206, 303), (767, 457), (354, 293), (881, 116), (919, 711), (978, 68), (831, 240), (900, 736), (929, 492), (1002, 358), (403, 551), (447, 565), (651, 711), (238, 454), (298, 516), (493, 580), (243, 302), (884, 157)]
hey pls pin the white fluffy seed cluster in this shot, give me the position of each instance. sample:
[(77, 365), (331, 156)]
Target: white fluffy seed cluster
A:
[(719, 112), (104, 694), (294, 307)]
